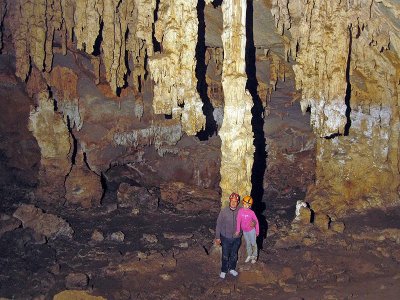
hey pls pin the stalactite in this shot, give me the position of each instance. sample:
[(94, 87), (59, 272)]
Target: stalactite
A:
[(281, 14), (317, 27), (113, 45), (53, 23), (321, 73), (68, 12), (140, 38), (144, 23), (176, 30), (236, 132), (87, 17), (347, 58)]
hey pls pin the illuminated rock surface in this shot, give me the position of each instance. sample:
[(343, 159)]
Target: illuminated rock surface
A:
[(184, 102)]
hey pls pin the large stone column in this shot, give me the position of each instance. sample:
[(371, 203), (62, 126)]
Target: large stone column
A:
[(236, 134)]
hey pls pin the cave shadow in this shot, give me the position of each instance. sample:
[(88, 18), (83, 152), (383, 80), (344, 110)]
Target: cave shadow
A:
[(201, 70), (257, 122)]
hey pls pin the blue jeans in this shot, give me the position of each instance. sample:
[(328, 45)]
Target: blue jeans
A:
[(251, 245), (230, 247)]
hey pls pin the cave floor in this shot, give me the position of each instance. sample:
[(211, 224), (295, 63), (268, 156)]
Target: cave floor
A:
[(176, 259)]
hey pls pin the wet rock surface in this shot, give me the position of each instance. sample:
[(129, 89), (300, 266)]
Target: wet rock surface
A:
[(168, 254)]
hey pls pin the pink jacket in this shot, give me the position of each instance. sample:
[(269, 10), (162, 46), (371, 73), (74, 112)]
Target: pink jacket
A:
[(244, 218)]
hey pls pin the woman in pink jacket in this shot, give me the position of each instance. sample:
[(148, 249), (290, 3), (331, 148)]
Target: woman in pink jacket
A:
[(246, 219)]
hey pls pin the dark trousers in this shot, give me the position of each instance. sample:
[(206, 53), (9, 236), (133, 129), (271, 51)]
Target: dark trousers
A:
[(230, 247)]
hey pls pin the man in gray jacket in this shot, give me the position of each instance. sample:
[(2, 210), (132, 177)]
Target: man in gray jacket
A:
[(225, 236)]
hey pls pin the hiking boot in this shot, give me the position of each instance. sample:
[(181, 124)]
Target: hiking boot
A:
[(248, 259), (222, 275)]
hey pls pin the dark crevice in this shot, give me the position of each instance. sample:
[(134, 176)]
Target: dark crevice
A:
[(99, 39), (156, 44), (201, 70), (217, 3), (75, 142), (260, 155), (348, 88)]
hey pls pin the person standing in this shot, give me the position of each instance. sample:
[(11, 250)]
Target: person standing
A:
[(225, 236), (247, 220)]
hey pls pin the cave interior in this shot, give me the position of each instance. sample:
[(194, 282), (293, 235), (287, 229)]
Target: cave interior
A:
[(125, 125)]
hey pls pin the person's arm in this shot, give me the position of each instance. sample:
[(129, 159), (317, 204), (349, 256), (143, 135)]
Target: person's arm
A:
[(218, 229), (257, 225), (238, 221)]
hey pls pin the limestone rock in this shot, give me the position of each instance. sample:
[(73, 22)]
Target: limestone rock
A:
[(97, 236), (189, 198), (54, 141), (149, 238), (136, 197), (46, 224), (337, 226), (118, 236), (83, 187), (147, 265), (8, 223), (76, 295), (322, 221), (76, 280)]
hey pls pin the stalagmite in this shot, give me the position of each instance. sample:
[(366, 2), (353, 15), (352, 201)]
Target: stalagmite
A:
[(53, 138), (173, 70), (236, 132)]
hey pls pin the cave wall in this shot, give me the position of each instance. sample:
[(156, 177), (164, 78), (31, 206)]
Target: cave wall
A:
[(110, 68), (347, 65)]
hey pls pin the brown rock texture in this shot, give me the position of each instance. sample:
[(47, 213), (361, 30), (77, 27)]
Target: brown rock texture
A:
[(82, 185), (45, 224)]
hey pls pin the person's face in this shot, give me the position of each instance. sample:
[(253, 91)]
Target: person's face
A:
[(246, 205), (233, 203)]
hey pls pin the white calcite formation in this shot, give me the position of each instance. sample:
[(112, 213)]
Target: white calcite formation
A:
[(347, 64), (173, 70), (236, 134), (162, 135), (54, 141)]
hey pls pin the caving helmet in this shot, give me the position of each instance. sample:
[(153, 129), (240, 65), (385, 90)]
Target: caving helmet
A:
[(248, 200), (234, 196)]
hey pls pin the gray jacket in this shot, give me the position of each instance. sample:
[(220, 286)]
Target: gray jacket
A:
[(226, 223)]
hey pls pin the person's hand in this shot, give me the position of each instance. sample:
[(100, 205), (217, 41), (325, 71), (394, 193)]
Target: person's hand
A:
[(253, 224), (217, 242), (236, 234)]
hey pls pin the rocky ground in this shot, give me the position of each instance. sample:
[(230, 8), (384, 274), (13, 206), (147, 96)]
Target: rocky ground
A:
[(122, 250)]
